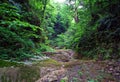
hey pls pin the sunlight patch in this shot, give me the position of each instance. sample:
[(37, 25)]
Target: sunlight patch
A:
[(59, 1)]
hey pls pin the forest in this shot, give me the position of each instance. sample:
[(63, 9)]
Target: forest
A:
[(59, 36)]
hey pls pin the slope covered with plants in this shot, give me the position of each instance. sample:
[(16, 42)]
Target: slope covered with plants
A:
[(90, 27), (94, 31), (20, 30), (59, 40)]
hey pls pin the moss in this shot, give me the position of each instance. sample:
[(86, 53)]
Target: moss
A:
[(4, 78), (49, 62), (4, 63), (29, 73)]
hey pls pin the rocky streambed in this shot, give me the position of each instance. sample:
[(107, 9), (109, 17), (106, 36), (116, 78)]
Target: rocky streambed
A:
[(60, 66)]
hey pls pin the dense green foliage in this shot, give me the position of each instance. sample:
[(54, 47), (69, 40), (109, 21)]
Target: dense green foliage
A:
[(91, 27), (95, 32), (101, 35), (18, 38)]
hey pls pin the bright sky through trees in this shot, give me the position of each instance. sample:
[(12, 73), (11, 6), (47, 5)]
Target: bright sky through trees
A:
[(59, 1)]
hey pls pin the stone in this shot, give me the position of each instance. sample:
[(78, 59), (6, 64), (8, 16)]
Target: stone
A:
[(65, 79), (52, 76)]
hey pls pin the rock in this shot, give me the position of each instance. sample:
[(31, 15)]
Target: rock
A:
[(45, 70), (65, 79), (12, 66), (60, 55), (117, 74), (39, 58), (52, 76), (113, 67)]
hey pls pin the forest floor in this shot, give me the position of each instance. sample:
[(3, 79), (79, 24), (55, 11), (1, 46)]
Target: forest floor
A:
[(62, 67)]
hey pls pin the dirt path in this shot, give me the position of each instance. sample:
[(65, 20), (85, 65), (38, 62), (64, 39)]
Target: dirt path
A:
[(72, 70), (62, 67)]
